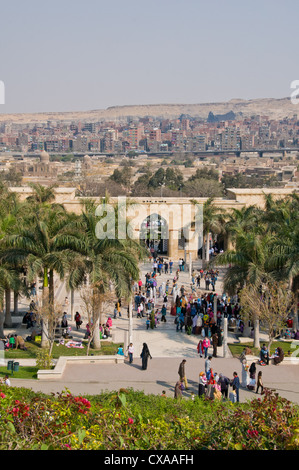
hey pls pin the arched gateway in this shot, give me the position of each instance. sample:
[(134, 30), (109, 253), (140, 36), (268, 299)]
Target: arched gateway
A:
[(154, 234)]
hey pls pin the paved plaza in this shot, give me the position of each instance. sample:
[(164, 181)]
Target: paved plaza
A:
[(167, 347)]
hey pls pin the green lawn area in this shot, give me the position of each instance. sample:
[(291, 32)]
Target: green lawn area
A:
[(237, 348), (30, 372), (24, 372), (107, 348)]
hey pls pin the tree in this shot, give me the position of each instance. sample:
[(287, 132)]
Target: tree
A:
[(282, 217), (271, 303), (49, 312), (9, 278), (157, 179), (106, 262), (213, 222), (90, 297), (202, 187), (41, 246), (42, 194)]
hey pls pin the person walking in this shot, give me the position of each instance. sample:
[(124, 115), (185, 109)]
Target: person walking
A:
[(206, 344), (223, 381), (215, 344), (163, 313), (145, 354), (200, 349), (182, 373), (235, 383), (208, 367), (78, 320), (259, 383), (130, 351)]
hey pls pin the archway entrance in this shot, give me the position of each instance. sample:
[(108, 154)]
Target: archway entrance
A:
[(154, 234)]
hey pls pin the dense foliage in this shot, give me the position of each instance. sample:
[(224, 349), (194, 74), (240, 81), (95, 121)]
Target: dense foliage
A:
[(130, 420)]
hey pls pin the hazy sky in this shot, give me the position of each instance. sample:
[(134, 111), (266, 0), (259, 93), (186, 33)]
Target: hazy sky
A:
[(70, 55)]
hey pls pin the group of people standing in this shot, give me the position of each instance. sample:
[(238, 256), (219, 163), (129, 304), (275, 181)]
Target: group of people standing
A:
[(210, 385)]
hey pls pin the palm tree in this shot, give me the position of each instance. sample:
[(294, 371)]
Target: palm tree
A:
[(248, 263), (39, 247), (283, 218), (241, 220), (213, 222), (106, 262), (42, 194), (10, 210), (9, 278)]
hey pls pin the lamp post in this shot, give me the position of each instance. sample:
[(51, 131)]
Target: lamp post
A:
[(130, 321), (215, 307), (225, 347)]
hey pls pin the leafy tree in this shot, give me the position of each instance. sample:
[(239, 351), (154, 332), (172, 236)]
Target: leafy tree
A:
[(202, 187), (271, 303)]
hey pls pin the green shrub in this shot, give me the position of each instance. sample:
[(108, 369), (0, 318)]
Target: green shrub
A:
[(43, 359), (131, 420)]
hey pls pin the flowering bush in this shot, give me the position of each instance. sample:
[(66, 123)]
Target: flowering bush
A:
[(133, 421)]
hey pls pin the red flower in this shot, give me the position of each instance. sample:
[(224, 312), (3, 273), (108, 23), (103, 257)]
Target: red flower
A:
[(131, 421), (252, 433)]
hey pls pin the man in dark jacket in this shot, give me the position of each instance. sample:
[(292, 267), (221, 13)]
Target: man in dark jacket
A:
[(235, 383), (224, 383)]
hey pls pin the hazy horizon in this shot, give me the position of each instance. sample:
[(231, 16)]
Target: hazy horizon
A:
[(67, 56)]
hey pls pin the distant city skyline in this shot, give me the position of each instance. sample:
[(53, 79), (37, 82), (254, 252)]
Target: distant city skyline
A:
[(73, 56)]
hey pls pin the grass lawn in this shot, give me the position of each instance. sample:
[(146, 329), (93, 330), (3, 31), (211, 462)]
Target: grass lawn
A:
[(24, 372), (30, 372), (237, 348), (107, 348)]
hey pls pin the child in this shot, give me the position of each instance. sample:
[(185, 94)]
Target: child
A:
[(200, 349), (259, 383)]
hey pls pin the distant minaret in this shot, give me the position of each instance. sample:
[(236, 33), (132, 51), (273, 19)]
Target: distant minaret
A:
[(78, 167)]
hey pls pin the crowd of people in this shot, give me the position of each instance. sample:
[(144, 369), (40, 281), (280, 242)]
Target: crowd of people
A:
[(211, 385), (193, 308)]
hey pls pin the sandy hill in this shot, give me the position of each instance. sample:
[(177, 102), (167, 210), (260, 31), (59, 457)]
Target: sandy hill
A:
[(273, 108)]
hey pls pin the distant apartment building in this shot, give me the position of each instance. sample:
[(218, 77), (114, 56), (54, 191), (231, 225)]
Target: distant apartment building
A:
[(89, 127), (134, 136), (231, 139), (79, 144), (247, 141), (109, 140), (199, 143)]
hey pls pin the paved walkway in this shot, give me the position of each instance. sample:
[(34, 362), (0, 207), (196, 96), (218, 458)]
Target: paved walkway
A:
[(168, 347)]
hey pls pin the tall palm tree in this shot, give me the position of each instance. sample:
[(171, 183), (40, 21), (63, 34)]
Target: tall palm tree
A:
[(9, 278), (10, 209), (283, 217), (213, 222), (39, 247), (106, 262)]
